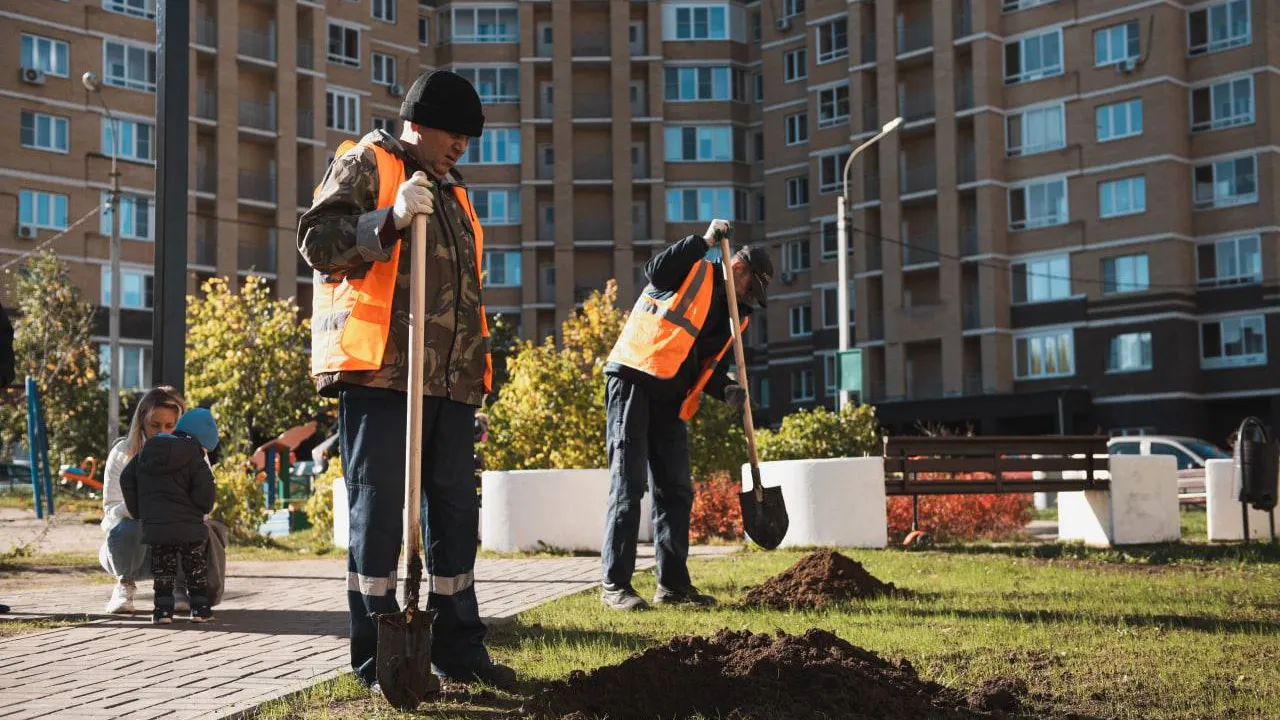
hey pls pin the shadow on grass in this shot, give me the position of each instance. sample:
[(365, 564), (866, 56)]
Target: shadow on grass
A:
[(1157, 554), (1198, 623)]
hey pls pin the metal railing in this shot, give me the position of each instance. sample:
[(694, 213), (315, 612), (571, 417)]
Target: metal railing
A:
[(306, 123), (914, 36), (257, 186), (306, 55), (917, 106), (206, 104), (920, 249), (919, 178), (259, 44), (206, 32), (257, 115)]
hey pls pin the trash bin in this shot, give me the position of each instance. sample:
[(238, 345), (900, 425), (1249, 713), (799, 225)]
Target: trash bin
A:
[(1257, 457)]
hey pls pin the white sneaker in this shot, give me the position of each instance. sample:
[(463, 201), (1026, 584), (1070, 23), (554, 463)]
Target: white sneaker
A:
[(121, 602), (181, 601)]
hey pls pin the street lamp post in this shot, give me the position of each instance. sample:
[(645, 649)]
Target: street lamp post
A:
[(90, 81), (842, 249)]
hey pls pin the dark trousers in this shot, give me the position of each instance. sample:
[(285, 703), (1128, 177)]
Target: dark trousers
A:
[(164, 569), (372, 442), (646, 434)]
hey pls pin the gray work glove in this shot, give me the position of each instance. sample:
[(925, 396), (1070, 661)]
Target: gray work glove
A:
[(716, 230), (413, 197)]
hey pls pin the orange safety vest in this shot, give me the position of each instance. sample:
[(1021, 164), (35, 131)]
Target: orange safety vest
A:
[(351, 318), (659, 334)]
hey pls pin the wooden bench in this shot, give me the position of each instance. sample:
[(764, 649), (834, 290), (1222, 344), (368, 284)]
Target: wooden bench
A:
[(1005, 464)]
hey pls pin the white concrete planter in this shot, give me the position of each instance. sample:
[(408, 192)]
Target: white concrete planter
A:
[(1225, 521), (831, 502), (1140, 507), (525, 510)]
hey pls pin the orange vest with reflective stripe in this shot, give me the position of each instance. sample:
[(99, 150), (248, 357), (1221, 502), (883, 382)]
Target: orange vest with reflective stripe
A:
[(351, 318), (659, 333)]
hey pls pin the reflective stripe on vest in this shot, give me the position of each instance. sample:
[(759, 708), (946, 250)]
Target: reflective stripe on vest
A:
[(693, 399), (351, 318), (659, 333)]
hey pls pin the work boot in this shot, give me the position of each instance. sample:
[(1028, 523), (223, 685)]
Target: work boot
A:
[(684, 596), (623, 598), (121, 602), (492, 674)]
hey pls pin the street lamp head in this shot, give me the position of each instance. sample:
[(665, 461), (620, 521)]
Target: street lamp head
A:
[(892, 125), (90, 81)]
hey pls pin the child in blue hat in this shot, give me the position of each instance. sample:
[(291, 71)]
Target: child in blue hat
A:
[(168, 487)]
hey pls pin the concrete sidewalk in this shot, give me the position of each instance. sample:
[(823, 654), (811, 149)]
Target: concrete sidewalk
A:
[(281, 628)]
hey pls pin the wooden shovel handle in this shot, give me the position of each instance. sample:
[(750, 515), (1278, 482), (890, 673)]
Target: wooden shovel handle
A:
[(735, 326), (413, 439)]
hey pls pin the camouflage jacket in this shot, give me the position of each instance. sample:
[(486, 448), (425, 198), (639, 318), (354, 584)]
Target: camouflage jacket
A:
[(343, 234)]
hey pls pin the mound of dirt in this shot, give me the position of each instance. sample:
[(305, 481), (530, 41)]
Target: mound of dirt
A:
[(819, 578), (739, 674), (1002, 693)]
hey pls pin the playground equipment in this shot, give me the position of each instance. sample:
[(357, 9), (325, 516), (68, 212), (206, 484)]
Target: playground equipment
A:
[(79, 479), (38, 444), (287, 483)]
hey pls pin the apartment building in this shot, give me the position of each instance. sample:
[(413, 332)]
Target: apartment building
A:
[(1074, 230)]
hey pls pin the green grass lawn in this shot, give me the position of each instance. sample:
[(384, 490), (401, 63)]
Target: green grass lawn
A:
[(1155, 633)]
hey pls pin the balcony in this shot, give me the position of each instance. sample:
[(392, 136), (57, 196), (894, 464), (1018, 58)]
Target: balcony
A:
[(206, 104), (870, 118), (590, 44), (260, 116), (592, 105), (306, 55), (875, 250), (206, 32), (914, 36), (206, 179), (260, 44), (920, 249), (969, 239), (964, 92), (966, 168), (972, 316), (871, 186), (306, 123), (917, 106), (868, 49), (257, 255), (973, 383), (206, 244), (964, 20), (919, 177), (590, 166), (875, 326), (258, 186)]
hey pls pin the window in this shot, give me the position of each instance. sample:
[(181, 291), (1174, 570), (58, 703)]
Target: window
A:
[(761, 381), (701, 22), (1127, 196), (129, 66), (1044, 355), (801, 385), (757, 27), (424, 31), (1125, 274), (497, 207), (45, 54), (137, 216), (830, 240), (502, 269), (482, 25), (1117, 43), (1042, 280), (757, 87), (386, 125), (1185, 461), (759, 207), (792, 8), (1124, 448), (1130, 352), (833, 41), (1218, 27), (344, 45), (1233, 261), (1036, 131), (384, 69), (801, 320), (145, 9), (494, 84), (1226, 183), (384, 10), (1120, 120), (44, 132), (741, 207), (830, 377), (1037, 205), (797, 128), (699, 144), (829, 173), (684, 84), (1011, 5), (1033, 57), (342, 111), (795, 65), (1233, 342), (497, 146), (137, 289), (795, 256), (831, 306), (699, 204), (797, 192), (135, 365), (833, 106), (1225, 105), (42, 209), (136, 140)]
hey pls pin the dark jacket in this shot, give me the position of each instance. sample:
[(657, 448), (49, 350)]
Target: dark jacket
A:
[(169, 488), (665, 272), (8, 365)]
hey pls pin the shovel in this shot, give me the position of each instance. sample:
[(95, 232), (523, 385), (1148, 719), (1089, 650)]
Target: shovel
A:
[(764, 514), (404, 638)]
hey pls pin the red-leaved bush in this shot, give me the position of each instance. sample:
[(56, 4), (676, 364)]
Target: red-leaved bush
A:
[(716, 513), (961, 517)]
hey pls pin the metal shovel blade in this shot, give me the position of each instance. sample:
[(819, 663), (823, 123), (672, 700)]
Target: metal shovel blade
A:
[(404, 658), (764, 513)]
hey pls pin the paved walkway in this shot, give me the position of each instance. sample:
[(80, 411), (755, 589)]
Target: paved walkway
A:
[(281, 627)]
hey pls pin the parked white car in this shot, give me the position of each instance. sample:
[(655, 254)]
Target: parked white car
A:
[(1190, 453)]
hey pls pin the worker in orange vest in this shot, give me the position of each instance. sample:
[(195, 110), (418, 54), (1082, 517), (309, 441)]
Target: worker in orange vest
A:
[(673, 349), (355, 238)]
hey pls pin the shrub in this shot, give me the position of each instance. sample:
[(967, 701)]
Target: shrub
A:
[(319, 507), (716, 511), (821, 433), (961, 517), (239, 498)]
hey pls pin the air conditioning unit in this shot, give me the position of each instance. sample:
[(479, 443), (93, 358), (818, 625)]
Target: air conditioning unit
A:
[(27, 232), (396, 90), (32, 76), (784, 24), (787, 277), (1127, 65)]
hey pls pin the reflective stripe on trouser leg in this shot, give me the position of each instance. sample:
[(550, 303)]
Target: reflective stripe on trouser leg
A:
[(371, 433), (451, 514)]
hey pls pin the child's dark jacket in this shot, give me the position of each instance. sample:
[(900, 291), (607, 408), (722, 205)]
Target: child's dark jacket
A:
[(169, 488)]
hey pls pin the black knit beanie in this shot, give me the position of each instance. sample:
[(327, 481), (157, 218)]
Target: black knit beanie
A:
[(446, 101)]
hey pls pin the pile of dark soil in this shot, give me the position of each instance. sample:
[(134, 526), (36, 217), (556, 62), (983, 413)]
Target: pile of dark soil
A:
[(819, 578), (738, 674)]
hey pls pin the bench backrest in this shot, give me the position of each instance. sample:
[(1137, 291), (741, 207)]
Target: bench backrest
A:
[(996, 454)]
